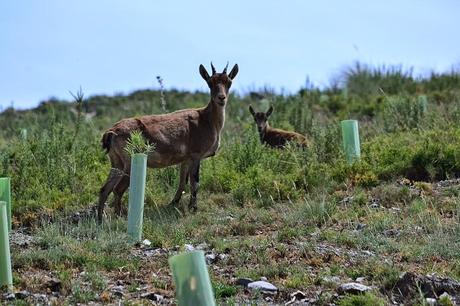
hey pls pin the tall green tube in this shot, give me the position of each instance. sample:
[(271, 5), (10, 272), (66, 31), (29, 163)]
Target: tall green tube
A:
[(24, 134), (6, 277), (350, 135), (5, 195), (193, 286), (423, 103), (136, 196)]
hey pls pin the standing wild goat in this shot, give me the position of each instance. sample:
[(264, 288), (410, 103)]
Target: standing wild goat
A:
[(275, 137), (183, 137)]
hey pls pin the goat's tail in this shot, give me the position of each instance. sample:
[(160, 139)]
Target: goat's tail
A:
[(107, 140)]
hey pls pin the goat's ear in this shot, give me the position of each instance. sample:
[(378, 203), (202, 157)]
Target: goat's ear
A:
[(251, 110), (204, 73), (269, 112), (234, 72)]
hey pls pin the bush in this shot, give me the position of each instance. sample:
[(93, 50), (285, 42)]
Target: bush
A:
[(366, 299)]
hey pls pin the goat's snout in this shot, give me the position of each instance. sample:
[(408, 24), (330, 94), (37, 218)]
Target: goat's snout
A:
[(220, 99)]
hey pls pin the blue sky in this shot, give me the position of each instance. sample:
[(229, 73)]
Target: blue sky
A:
[(50, 47)]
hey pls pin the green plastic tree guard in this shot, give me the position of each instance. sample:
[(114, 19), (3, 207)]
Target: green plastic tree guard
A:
[(24, 134), (6, 277), (193, 286), (350, 135), (423, 103), (5, 195), (136, 196)]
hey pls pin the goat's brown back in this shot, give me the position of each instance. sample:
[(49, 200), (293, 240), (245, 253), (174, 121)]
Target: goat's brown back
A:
[(279, 138), (172, 134)]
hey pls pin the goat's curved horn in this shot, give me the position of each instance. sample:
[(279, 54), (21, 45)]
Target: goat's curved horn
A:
[(213, 69), (225, 69)]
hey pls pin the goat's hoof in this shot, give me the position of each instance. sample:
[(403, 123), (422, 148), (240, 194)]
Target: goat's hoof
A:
[(173, 203), (98, 216), (121, 212)]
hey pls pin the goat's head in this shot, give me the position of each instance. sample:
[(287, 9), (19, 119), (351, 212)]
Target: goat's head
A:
[(261, 118), (219, 83)]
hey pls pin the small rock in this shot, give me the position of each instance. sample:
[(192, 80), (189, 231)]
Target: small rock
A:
[(367, 253), (118, 291), (22, 294), (54, 285), (374, 200), (391, 233), (298, 295), (149, 252), (243, 281), (346, 200), (223, 256), (353, 288), (17, 237), (262, 286), (146, 242), (41, 298), (202, 246), (411, 285), (361, 226), (331, 279), (431, 301), (360, 279), (210, 258), (9, 296), (189, 248), (263, 278), (374, 205), (152, 296), (159, 297)]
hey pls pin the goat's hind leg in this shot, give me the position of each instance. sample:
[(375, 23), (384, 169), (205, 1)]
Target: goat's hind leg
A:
[(113, 178), (184, 170), (194, 184)]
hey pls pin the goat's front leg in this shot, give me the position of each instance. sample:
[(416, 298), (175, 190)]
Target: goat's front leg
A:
[(184, 170), (118, 191), (115, 176), (194, 184)]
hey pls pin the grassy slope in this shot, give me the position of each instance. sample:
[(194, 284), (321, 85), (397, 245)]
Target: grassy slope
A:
[(278, 214)]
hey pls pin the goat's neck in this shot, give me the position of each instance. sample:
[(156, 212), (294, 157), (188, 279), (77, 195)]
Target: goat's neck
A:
[(216, 115), (263, 130)]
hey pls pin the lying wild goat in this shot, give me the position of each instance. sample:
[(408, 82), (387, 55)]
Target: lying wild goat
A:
[(275, 137), (183, 137)]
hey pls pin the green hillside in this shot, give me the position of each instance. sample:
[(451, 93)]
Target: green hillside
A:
[(268, 210)]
